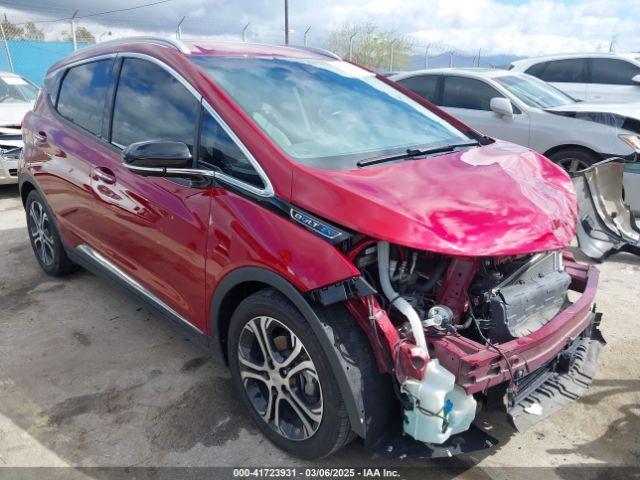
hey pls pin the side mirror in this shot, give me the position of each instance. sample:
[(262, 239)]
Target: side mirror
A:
[(636, 79), (156, 155), (502, 106)]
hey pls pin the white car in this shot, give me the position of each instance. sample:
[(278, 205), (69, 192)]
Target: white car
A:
[(521, 109), (17, 96), (594, 77)]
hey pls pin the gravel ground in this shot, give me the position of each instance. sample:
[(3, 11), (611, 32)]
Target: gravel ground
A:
[(89, 377)]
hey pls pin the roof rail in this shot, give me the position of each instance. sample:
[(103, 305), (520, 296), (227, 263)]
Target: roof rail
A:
[(177, 44)]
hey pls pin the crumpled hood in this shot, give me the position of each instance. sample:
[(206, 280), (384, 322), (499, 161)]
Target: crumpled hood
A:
[(501, 199), (629, 109)]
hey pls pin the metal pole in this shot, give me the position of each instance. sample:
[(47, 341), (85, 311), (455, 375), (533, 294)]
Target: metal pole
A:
[(426, 56), (179, 28), (6, 48), (451, 58), (286, 22), (353, 35), (73, 31), (393, 46), (245, 29), (305, 35), (479, 52)]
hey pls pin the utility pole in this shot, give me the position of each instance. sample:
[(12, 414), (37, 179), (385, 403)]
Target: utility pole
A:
[(6, 46), (353, 35), (73, 31), (426, 56), (305, 35), (479, 52), (451, 52), (286, 22), (245, 29), (179, 28)]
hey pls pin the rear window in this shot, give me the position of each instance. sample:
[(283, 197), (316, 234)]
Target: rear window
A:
[(423, 85), (83, 94)]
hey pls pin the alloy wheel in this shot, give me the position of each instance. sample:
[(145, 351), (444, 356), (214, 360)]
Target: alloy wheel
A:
[(280, 378), (573, 165), (40, 230)]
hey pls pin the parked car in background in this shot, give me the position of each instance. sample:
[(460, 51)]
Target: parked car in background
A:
[(17, 96), (519, 108), (594, 77), (365, 264)]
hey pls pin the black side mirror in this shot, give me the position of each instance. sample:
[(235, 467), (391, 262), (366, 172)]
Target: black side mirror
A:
[(160, 154)]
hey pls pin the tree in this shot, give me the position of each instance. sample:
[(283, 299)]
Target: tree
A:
[(32, 32), (371, 46), (11, 30), (83, 35)]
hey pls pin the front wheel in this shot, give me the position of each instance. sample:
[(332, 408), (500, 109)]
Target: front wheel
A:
[(573, 160), (284, 378)]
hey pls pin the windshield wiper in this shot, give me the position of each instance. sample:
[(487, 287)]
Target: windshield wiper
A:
[(411, 153)]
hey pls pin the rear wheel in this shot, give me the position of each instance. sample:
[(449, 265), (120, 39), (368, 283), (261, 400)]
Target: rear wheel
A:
[(574, 159), (44, 237), (284, 377)]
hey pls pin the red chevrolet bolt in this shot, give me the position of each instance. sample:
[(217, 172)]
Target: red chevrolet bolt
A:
[(365, 264)]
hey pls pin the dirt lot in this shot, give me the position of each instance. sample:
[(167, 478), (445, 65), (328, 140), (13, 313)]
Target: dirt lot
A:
[(88, 377)]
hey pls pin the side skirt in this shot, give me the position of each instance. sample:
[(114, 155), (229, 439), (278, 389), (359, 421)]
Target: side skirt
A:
[(96, 263)]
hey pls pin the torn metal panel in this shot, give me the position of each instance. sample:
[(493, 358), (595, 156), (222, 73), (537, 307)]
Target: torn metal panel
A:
[(606, 224)]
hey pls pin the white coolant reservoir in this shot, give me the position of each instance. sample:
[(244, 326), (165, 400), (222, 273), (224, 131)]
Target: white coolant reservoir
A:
[(440, 407)]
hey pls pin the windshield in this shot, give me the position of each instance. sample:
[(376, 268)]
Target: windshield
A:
[(14, 89), (328, 114), (534, 92)]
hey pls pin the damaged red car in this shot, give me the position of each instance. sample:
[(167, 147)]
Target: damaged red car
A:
[(365, 264)]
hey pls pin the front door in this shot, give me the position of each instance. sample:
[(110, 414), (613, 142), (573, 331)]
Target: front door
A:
[(154, 229)]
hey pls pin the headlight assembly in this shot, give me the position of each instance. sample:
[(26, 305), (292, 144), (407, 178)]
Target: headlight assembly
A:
[(632, 140)]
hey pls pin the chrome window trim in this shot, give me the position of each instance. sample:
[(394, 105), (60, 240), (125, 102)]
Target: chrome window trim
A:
[(133, 283), (77, 63), (267, 191)]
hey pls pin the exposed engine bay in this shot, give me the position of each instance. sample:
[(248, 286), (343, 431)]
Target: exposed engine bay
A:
[(430, 308)]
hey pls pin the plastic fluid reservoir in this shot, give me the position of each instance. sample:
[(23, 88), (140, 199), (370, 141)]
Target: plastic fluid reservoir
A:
[(435, 398)]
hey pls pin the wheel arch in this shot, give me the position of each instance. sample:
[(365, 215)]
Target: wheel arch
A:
[(570, 146), (238, 284), (25, 187)]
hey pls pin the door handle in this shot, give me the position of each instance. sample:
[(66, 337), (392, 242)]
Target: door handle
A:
[(105, 175)]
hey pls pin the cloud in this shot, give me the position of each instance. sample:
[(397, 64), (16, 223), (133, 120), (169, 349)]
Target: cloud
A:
[(497, 26)]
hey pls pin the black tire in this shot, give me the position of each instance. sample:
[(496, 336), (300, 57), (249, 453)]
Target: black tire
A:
[(45, 239), (574, 159), (333, 431)]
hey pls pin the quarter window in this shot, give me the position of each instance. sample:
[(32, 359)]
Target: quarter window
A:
[(423, 85), (83, 94), (570, 70), (151, 104), (613, 72), (219, 151), (460, 92)]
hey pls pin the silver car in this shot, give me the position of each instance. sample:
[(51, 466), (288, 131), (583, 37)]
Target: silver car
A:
[(522, 109), (17, 96)]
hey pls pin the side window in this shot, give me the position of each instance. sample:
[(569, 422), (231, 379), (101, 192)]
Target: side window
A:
[(571, 70), (423, 85), (218, 150), (83, 93), (460, 92), (151, 104), (537, 69), (51, 85), (613, 72)]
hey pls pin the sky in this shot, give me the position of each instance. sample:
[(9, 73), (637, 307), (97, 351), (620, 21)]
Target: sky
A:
[(514, 27)]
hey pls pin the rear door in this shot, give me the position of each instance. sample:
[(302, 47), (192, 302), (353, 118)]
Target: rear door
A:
[(610, 81), (153, 229), (469, 100), (569, 75)]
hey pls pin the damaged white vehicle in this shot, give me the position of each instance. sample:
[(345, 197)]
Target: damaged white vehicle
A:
[(17, 96)]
